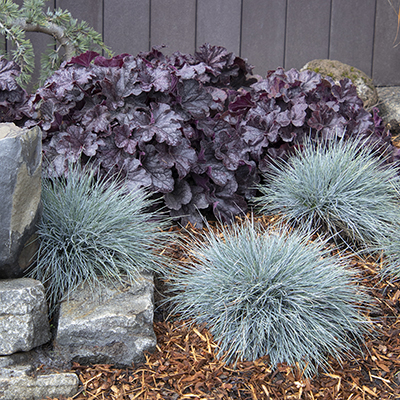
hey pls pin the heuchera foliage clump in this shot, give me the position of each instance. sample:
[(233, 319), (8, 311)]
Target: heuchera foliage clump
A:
[(13, 98), (197, 129)]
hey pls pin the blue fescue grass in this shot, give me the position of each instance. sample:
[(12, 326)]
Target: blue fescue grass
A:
[(390, 249), (92, 227), (270, 292), (338, 187)]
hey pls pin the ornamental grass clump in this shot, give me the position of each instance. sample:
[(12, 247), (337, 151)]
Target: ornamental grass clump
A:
[(270, 292), (391, 262), (92, 228), (338, 187)]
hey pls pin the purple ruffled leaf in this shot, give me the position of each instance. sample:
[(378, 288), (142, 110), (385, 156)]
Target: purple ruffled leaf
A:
[(123, 139), (216, 58), (116, 61), (136, 176), (150, 76), (161, 176), (165, 124), (9, 71), (194, 99), (183, 157), (180, 196), (84, 59), (346, 91), (96, 119), (309, 80), (109, 155), (76, 141), (225, 206), (191, 71), (241, 104)]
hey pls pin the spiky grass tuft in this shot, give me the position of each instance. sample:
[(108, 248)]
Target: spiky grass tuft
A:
[(270, 292), (339, 187), (391, 262), (91, 228)]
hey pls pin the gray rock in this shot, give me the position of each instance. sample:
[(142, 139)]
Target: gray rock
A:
[(389, 103), (20, 191), (111, 324), (24, 321), (19, 378), (337, 70), (15, 383)]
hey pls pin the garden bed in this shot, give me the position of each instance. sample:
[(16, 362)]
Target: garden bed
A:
[(185, 366)]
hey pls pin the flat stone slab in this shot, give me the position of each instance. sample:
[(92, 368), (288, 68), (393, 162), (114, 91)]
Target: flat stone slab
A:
[(14, 384), (111, 324), (18, 380), (24, 320)]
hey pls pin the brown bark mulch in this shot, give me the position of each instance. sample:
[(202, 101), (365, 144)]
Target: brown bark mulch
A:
[(184, 365)]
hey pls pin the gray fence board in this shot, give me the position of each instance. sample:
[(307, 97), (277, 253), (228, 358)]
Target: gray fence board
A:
[(352, 33), (307, 31), (173, 23), (126, 25), (2, 45), (386, 62), (90, 11), (263, 34), (269, 33), (219, 23)]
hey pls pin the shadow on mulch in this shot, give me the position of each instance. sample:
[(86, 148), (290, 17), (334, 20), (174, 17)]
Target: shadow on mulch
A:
[(184, 365)]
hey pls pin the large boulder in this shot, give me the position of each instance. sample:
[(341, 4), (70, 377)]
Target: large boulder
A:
[(337, 70), (24, 320), (20, 191), (112, 324)]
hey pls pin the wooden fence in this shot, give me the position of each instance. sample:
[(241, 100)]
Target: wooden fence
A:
[(269, 33)]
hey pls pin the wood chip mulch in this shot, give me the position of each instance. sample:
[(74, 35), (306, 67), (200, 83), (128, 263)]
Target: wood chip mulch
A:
[(184, 365)]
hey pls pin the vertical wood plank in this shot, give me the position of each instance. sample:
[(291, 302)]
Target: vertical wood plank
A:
[(263, 34), (126, 25), (173, 23), (386, 60), (307, 31), (352, 33), (2, 45), (90, 11), (218, 23)]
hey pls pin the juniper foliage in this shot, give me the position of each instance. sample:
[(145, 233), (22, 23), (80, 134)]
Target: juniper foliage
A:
[(71, 36)]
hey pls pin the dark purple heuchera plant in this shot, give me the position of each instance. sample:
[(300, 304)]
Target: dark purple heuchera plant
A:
[(13, 99), (197, 129)]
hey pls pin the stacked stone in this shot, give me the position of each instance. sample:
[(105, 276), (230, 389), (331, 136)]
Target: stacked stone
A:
[(112, 325), (24, 323)]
